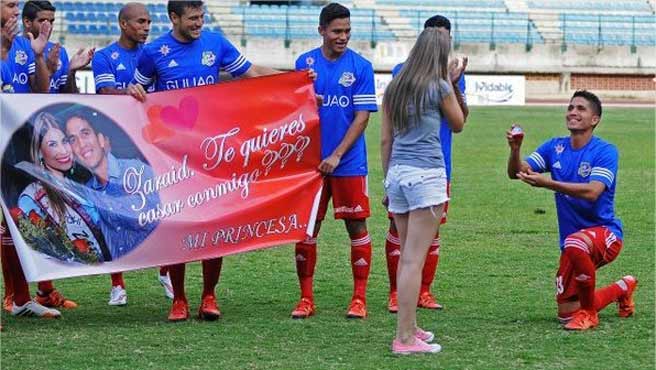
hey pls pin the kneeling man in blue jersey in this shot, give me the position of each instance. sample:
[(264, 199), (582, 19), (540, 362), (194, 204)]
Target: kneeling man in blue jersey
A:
[(187, 56), (583, 171), (345, 80)]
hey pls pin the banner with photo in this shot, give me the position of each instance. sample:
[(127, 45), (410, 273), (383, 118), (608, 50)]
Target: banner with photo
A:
[(94, 184)]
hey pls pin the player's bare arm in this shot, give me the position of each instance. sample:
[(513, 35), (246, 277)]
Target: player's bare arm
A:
[(8, 33), (515, 163), (457, 68), (40, 82), (328, 165), (587, 191), (81, 59), (137, 91), (452, 111)]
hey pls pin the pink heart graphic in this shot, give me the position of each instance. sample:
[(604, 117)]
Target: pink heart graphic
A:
[(183, 117)]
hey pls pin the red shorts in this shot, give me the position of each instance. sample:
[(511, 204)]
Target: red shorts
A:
[(350, 197), (444, 212), (606, 247)]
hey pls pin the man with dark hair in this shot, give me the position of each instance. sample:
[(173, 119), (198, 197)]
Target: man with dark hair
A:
[(187, 57), (583, 171), (345, 80), (61, 71), (392, 243)]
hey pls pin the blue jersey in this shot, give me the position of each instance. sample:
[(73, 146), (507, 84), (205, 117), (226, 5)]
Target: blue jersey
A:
[(596, 161), (171, 64), (5, 77), (21, 57), (445, 130), (114, 66), (59, 78), (347, 87)]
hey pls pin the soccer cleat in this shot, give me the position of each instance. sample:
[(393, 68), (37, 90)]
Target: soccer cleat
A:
[(208, 309), (54, 299), (179, 310), (8, 302), (424, 336), (118, 296), (625, 304), (417, 347), (33, 308), (165, 281), (304, 309), (427, 300), (357, 309), (393, 303), (583, 320)]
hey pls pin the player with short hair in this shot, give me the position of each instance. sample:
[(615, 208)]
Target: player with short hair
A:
[(345, 80), (583, 170), (188, 56), (392, 243)]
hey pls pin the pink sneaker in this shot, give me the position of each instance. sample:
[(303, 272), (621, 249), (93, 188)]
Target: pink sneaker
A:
[(425, 336), (419, 346)]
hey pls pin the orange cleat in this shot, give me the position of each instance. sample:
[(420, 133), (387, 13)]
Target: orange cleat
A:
[(427, 300), (54, 299), (179, 310), (304, 309), (208, 309), (583, 320), (625, 304), (357, 309), (8, 302), (393, 303)]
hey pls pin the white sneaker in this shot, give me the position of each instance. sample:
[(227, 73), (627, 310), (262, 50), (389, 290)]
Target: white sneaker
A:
[(33, 308), (118, 296), (165, 281)]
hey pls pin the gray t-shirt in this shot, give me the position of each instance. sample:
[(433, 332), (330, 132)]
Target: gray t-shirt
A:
[(419, 145)]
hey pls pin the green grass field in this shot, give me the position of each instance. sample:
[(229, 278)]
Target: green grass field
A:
[(495, 278)]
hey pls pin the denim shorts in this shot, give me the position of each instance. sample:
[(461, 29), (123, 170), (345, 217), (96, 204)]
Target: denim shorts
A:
[(409, 188)]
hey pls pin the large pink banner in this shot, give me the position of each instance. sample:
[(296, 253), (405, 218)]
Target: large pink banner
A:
[(97, 184)]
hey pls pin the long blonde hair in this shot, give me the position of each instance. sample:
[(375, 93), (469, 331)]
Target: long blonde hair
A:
[(43, 123), (425, 66)]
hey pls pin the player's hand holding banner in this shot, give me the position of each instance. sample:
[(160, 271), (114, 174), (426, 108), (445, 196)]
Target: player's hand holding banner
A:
[(96, 184)]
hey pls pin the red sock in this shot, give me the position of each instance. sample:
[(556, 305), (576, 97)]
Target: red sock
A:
[(584, 272), (6, 269), (392, 254), (306, 260), (211, 274), (19, 287), (430, 266), (177, 274), (360, 264), (607, 295), (45, 287), (117, 280), (163, 270)]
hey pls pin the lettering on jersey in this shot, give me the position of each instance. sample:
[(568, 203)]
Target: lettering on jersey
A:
[(208, 58), (190, 82), (559, 149), (334, 100), (114, 55), (347, 79), (21, 57), (20, 78), (121, 67), (164, 50), (585, 169)]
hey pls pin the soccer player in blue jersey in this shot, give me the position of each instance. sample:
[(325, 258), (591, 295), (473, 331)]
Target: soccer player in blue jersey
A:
[(583, 171), (62, 72), (345, 80), (392, 243), (187, 56)]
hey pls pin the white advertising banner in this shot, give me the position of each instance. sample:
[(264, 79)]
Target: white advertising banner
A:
[(480, 89)]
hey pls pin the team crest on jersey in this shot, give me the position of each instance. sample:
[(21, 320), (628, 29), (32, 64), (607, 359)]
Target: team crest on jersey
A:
[(309, 61), (21, 57), (347, 79), (114, 55), (208, 58), (585, 169), (164, 50), (559, 148)]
